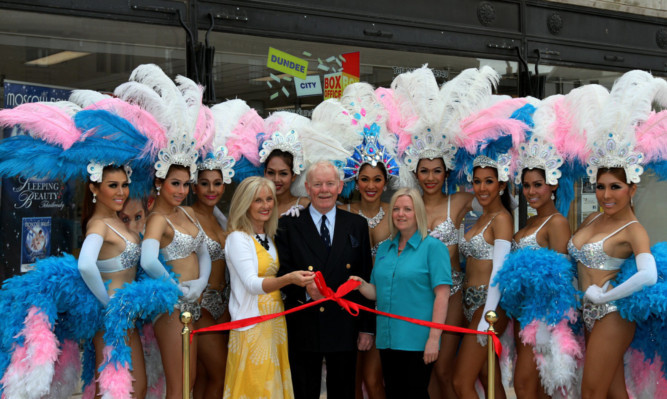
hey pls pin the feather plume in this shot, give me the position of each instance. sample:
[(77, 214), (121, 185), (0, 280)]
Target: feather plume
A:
[(195, 119), (237, 127), (47, 122), (330, 117), (418, 94), (583, 106), (142, 120), (396, 124), (67, 107), (86, 98), (652, 137), (467, 93), (630, 103)]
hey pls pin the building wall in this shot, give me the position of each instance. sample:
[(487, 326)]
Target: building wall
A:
[(652, 8)]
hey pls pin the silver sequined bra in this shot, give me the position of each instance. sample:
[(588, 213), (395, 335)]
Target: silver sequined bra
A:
[(530, 241), (374, 249), (592, 254), (446, 232), (183, 244), (215, 250), (125, 260), (477, 247)]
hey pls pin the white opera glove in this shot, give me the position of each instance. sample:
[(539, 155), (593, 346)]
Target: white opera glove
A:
[(220, 217), (87, 265), (150, 251), (193, 289), (501, 248), (647, 274), (294, 211)]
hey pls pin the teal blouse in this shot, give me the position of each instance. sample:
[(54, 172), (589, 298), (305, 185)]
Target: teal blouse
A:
[(404, 286)]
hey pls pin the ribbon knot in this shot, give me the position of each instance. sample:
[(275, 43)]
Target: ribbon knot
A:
[(351, 307)]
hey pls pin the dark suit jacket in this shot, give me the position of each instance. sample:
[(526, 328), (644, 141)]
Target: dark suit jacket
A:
[(327, 327)]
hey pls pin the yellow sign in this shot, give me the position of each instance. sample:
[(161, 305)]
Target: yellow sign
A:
[(287, 63)]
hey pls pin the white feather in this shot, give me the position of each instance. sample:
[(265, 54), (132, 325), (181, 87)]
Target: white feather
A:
[(85, 98), (227, 116), (192, 94), (331, 118)]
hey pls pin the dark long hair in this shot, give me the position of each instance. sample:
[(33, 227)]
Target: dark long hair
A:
[(88, 208)]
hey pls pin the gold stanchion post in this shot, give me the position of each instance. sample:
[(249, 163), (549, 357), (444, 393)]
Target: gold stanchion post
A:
[(491, 318), (186, 317)]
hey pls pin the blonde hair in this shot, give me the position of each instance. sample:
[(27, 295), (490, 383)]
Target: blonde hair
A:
[(417, 205), (244, 195)]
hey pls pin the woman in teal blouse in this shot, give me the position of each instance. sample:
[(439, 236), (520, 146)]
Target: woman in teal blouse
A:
[(413, 278)]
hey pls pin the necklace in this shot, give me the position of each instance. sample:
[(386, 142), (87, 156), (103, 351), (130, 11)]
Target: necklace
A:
[(263, 241), (375, 220)]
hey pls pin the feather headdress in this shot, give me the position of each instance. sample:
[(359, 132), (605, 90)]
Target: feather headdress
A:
[(374, 144), (188, 125), (421, 108), (486, 126), (626, 121)]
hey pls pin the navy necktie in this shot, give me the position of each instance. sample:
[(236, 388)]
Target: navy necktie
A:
[(324, 232)]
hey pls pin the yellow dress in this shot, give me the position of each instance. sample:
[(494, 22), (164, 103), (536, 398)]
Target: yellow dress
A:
[(257, 362)]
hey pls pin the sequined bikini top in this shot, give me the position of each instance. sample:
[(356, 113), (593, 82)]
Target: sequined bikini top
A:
[(446, 232), (215, 250), (183, 244), (477, 247), (125, 260), (592, 254), (530, 241)]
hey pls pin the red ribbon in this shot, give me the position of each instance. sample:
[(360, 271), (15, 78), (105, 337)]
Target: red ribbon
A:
[(351, 307)]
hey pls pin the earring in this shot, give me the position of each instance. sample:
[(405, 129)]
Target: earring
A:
[(158, 189), (384, 188), (502, 192), (94, 198), (553, 196)]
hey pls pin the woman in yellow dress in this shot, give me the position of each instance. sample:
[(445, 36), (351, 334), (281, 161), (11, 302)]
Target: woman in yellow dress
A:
[(257, 361)]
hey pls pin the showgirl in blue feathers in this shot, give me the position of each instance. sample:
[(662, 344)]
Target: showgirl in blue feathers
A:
[(604, 240), (541, 299), (62, 302), (173, 233)]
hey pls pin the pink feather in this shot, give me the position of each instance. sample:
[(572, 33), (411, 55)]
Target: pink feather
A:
[(493, 122), (652, 137), (204, 130), (395, 122), (43, 121), (89, 391), (243, 139), (39, 338), (115, 380), (568, 142), (568, 342), (476, 131), (528, 334)]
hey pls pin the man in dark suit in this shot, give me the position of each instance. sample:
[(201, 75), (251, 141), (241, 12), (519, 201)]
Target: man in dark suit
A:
[(336, 243)]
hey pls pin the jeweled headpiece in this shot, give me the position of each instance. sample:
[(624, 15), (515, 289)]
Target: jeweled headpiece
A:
[(288, 142), (96, 170), (180, 151), (502, 165), (219, 160), (537, 154), (371, 152), (430, 146), (614, 153)]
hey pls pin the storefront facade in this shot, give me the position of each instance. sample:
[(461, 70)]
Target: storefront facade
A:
[(539, 47)]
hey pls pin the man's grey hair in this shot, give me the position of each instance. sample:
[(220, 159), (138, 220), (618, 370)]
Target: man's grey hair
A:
[(323, 164)]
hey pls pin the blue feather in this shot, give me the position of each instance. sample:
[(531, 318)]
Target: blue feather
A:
[(244, 168), (647, 307), (536, 284)]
